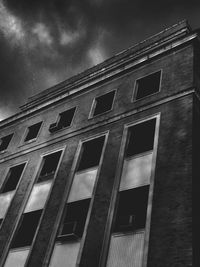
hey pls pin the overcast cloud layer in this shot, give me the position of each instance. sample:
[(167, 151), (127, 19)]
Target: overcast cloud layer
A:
[(43, 42)]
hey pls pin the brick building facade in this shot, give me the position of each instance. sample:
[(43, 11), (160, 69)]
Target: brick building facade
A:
[(97, 170)]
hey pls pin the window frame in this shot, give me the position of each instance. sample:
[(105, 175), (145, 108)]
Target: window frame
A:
[(61, 226), (4, 150), (81, 153), (115, 193), (6, 176), (93, 106), (41, 164), (34, 180), (27, 131), (18, 227), (115, 219), (58, 119), (135, 87), (61, 211)]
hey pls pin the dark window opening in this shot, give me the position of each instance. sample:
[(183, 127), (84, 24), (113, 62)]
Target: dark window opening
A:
[(91, 153), (33, 131), (4, 142), (141, 138), (148, 85), (13, 177), (132, 209), (65, 120), (49, 166), (103, 103), (27, 229), (74, 220)]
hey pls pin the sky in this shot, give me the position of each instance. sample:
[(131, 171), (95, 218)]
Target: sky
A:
[(44, 42)]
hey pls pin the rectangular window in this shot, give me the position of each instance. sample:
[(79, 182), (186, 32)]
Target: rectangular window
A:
[(140, 138), (49, 166), (131, 211), (27, 229), (103, 103), (4, 142), (12, 179), (72, 226), (91, 153), (147, 85), (32, 131), (64, 120), (74, 220)]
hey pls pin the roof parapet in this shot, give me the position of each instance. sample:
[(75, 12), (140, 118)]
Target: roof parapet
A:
[(174, 32)]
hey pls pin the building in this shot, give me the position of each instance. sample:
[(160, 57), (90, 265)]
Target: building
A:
[(97, 170)]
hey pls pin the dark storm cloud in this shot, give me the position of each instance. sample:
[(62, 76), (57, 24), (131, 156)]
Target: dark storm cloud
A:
[(45, 42)]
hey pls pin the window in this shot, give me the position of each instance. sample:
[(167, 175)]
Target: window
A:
[(147, 85), (140, 138), (74, 220), (103, 103), (130, 217), (27, 229), (131, 211), (49, 166), (32, 131), (4, 142), (13, 178), (91, 153), (64, 120)]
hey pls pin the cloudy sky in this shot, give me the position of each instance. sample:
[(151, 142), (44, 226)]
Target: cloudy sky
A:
[(43, 42)]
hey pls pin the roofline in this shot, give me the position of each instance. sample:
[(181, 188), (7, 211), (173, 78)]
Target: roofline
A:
[(168, 33), (124, 64)]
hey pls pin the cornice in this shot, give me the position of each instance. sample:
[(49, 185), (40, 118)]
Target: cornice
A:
[(103, 74)]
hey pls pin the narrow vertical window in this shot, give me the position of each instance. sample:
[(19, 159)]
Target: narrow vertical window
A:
[(8, 188), (5, 141), (147, 85), (131, 210), (76, 209), (32, 132), (29, 221)]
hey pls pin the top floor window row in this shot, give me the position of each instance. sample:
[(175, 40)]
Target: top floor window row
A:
[(145, 86)]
